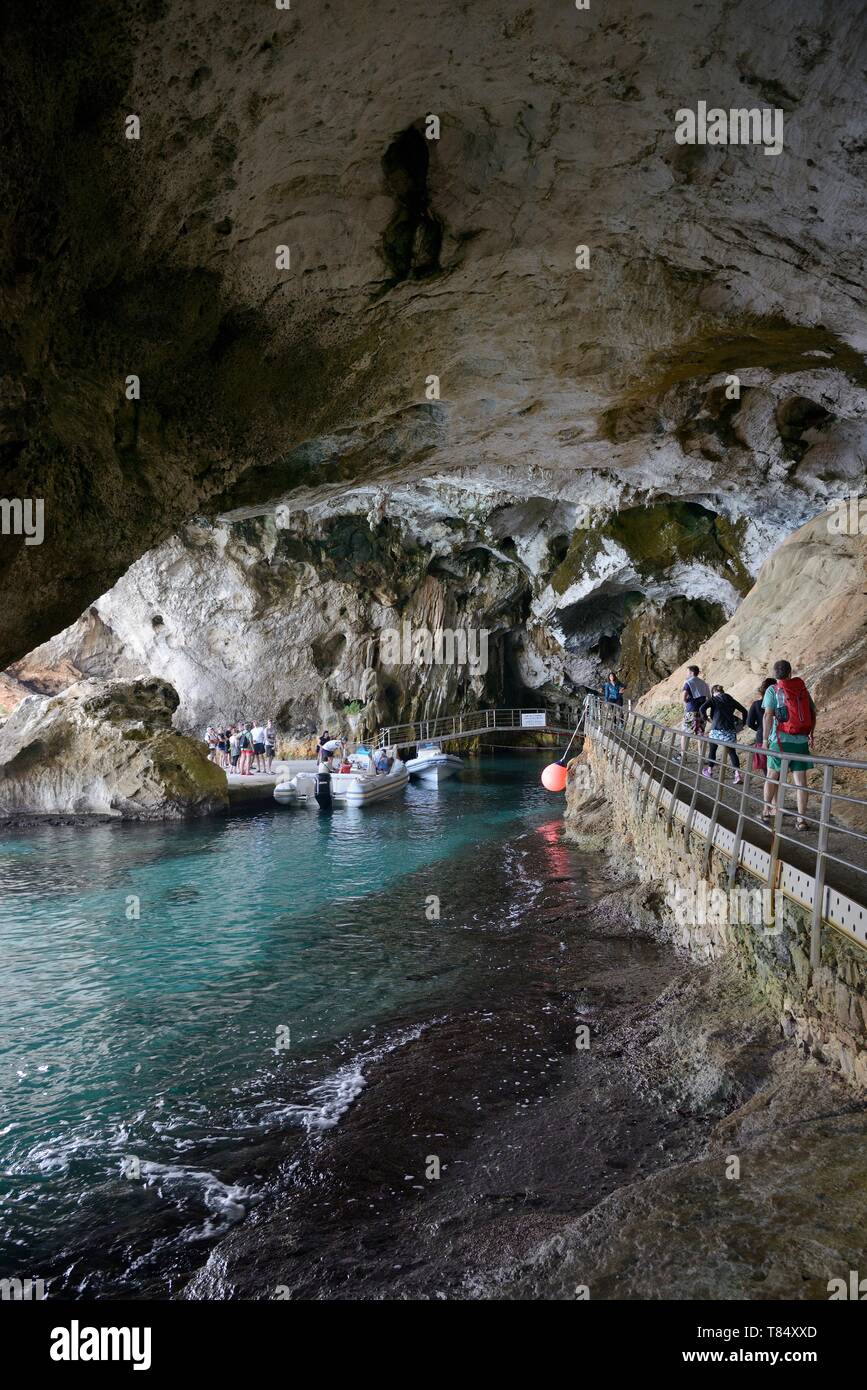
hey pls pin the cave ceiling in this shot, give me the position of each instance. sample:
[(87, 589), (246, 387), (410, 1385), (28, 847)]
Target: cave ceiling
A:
[(425, 333)]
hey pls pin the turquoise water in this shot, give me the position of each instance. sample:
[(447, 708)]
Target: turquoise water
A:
[(170, 994)]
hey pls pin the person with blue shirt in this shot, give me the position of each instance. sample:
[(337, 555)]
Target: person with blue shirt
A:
[(612, 690)]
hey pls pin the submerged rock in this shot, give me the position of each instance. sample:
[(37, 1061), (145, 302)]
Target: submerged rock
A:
[(106, 748)]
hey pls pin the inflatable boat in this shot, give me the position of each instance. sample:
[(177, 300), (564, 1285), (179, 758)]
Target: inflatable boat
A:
[(431, 764), (360, 786)]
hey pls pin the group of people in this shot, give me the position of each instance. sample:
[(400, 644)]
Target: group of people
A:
[(782, 718), (242, 748)]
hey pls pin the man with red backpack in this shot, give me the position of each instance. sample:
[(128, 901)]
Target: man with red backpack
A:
[(789, 717)]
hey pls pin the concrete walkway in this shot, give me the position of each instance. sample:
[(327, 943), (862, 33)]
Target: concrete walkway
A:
[(799, 847), (259, 786)]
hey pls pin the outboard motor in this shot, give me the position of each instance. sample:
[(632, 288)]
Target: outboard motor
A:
[(322, 790)]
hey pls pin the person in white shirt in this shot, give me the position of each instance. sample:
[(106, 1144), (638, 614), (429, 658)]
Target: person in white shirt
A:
[(257, 734)]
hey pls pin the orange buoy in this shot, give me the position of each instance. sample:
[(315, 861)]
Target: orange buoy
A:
[(554, 777)]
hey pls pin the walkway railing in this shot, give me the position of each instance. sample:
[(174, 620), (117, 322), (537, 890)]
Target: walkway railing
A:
[(549, 720), (823, 868)]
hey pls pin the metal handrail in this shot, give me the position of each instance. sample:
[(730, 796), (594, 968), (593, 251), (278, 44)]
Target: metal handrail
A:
[(643, 739), (468, 725)]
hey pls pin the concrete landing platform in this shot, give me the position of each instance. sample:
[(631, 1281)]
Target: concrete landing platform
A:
[(259, 786)]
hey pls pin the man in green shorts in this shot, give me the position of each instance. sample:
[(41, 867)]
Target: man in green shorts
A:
[(789, 720)]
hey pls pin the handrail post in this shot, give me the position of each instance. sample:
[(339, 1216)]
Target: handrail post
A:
[(609, 725), (648, 768), (663, 774), (714, 815), (669, 819), (624, 745), (631, 742), (774, 864), (739, 828), (821, 862), (624, 739), (690, 815), (635, 750)]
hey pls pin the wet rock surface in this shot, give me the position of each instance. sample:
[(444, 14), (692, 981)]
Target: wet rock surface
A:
[(567, 1166)]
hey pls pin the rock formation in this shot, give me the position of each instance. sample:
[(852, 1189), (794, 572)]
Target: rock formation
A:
[(807, 607), (428, 324), (105, 749), (289, 613)]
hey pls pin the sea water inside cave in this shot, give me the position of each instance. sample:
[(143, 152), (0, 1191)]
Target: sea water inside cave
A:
[(175, 999)]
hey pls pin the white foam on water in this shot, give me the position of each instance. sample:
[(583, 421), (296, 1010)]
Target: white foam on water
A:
[(224, 1201), (329, 1100), (514, 865)]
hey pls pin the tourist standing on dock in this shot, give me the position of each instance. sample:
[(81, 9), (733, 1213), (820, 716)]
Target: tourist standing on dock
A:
[(270, 744), (257, 734), (245, 750)]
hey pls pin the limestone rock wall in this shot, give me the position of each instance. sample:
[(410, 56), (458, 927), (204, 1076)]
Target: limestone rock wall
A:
[(602, 388), (284, 612), (249, 621)]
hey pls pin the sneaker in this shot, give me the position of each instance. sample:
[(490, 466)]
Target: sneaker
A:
[(736, 778), (706, 772)]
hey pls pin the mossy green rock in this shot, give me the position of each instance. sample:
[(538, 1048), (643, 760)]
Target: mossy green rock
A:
[(655, 539), (106, 748)]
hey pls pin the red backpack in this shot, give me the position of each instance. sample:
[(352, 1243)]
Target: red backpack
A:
[(794, 715)]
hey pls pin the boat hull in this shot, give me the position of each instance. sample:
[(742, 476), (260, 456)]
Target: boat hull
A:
[(347, 788), (361, 791), (289, 795), (434, 770)]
